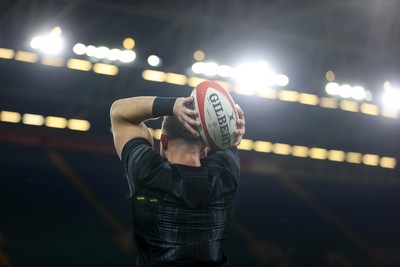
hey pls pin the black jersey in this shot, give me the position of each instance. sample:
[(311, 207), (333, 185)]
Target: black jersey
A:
[(180, 213)]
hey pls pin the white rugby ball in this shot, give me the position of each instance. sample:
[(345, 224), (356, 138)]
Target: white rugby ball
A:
[(217, 114)]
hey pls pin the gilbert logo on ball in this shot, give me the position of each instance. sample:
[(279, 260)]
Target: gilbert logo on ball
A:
[(217, 114)]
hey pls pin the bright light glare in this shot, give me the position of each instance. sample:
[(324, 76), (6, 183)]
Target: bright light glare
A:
[(225, 71), (49, 44), (79, 49), (199, 67), (154, 61), (211, 69), (358, 93), (387, 85), (345, 91), (101, 52), (368, 95), (281, 80), (91, 50), (198, 55), (128, 43), (391, 99), (114, 54), (127, 56), (332, 88), (254, 75)]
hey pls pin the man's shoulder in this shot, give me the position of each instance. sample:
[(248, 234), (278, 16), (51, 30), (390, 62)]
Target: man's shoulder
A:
[(135, 142), (229, 157)]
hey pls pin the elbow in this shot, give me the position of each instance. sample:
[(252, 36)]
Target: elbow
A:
[(114, 113)]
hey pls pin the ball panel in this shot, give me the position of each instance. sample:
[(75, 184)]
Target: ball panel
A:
[(217, 114), (220, 118), (201, 93), (198, 95)]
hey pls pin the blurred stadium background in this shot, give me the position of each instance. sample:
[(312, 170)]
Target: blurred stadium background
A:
[(318, 81)]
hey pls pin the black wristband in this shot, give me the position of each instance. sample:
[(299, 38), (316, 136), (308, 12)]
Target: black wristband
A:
[(163, 106)]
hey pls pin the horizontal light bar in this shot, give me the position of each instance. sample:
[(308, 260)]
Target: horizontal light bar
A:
[(386, 162), (246, 144), (78, 125), (33, 119), (26, 56), (53, 61), (6, 53), (268, 93), (282, 149), (316, 153), (79, 64), (180, 79), (155, 76), (349, 105), (10, 116), (55, 122), (353, 157), (262, 146), (106, 69), (328, 102), (369, 109), (175, 78), (283, 95), (40, 120), (300, 151), (308, 99), (290, 96)]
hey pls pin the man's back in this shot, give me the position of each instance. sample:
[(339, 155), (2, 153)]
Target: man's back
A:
[(180, 213)]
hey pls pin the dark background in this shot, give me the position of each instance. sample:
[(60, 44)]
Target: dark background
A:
[(63, 199)]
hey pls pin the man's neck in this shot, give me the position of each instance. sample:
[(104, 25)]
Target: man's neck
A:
[(183, 155)]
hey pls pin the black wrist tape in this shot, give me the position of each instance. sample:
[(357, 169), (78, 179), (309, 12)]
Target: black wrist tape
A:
[(163, 106)]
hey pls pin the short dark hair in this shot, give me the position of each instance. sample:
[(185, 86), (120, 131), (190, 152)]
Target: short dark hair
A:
[(174, 129)]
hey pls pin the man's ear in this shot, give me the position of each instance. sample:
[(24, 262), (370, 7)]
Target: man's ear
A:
[(164, 141)]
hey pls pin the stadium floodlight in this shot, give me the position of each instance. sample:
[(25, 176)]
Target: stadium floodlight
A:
[(114, 54), (256, 76), (347, 91), (91, 50), (127, 56), (225, 71), (281, 80), (198, 55), (332, 88), (199, 67), (129, 43), (105, 53), (154, 61), (358, 93), (211, 69), (50, 44), (79, 49), (391, 99), (101, 52)]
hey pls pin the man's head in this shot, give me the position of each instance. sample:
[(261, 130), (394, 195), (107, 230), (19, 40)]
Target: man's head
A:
[(172, 129)]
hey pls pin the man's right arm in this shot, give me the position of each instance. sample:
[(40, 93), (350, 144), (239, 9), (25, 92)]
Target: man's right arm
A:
[(128, 114)]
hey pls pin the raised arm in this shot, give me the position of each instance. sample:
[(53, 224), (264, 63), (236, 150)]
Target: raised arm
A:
[(128, 114)]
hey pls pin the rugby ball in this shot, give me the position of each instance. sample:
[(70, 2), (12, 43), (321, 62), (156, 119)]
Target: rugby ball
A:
[(217, 114)]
